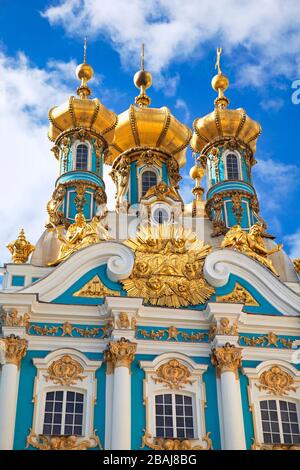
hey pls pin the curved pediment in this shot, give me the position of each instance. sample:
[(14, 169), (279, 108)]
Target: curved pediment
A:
[(118, 258), (220, 264)]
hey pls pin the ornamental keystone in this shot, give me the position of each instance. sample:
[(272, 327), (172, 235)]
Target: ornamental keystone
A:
[(227, 359), (122, 352)]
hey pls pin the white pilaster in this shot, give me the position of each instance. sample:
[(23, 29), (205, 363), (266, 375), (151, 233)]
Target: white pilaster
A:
[(121, 424), (8, 404), (121, 354), (227, 360), (13, 349)]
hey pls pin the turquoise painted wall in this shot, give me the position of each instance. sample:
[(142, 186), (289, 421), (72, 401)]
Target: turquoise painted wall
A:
[(25, 405), (67, 296), (138, 410), (133, 184)]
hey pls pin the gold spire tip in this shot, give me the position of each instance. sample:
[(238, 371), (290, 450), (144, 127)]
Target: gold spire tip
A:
[(220, 83), (143, 80), (84, 73)]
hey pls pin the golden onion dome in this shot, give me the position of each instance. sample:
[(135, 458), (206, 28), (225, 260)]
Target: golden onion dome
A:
[(82, 112), (222, 122), (141, 126)]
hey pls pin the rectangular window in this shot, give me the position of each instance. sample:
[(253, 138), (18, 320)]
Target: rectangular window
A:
[(280, 423), (174, 416), (63, 413)]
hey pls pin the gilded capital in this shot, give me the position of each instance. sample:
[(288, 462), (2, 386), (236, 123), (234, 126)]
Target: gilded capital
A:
[(14, 349), (227, 359), (108, 359), (122, 352)]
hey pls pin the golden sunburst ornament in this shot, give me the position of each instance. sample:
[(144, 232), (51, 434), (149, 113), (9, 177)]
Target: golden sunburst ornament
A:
[(168, 267)]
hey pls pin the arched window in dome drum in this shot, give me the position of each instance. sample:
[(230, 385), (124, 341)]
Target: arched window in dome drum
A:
[(82, 157), (232, 166), (149, 179)]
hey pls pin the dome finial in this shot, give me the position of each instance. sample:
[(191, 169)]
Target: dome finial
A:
[(143, 80), (220, 83), (84, 72)]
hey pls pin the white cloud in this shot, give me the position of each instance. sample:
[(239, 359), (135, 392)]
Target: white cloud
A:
[(272, 104), (293, 242), (282, 181), (183, 107), (28, 167), (267, 30)]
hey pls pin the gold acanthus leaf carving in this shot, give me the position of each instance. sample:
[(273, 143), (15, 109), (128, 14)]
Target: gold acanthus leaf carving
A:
[(227, 359), (95, 288), (297, 265), (42, 442), (238, 295), (168, 267), (173, 375), (276, 381), (158, 443), (261, 446), (121, 352), (65, 371), (14, 348), (251, 244)]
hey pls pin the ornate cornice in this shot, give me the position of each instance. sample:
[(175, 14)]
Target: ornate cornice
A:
[(14, 348), (227, 359), (122, 352)]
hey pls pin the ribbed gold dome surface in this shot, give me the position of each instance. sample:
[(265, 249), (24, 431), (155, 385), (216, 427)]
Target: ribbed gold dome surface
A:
[(150, 127), (225, 123), (86, 113)]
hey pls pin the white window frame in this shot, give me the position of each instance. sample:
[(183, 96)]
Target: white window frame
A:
[(88, 387), (141, 171), (65, 390), (196, 390), (277, 400), (238, 155), (74, 154), (256, 395)]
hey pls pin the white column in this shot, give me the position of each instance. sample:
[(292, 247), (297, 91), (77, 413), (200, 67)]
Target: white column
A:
[(122, 354), (109, 393), (121, 425), (227, 359), (14, 349)]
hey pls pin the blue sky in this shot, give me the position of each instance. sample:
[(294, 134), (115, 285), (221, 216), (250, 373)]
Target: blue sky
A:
[(41, 43)]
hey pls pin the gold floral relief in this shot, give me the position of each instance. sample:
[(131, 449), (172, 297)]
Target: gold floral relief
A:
[(42, 442), (158, 443)]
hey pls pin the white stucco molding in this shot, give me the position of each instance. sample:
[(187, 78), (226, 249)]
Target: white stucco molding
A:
[(221, 263), (118, 257)]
